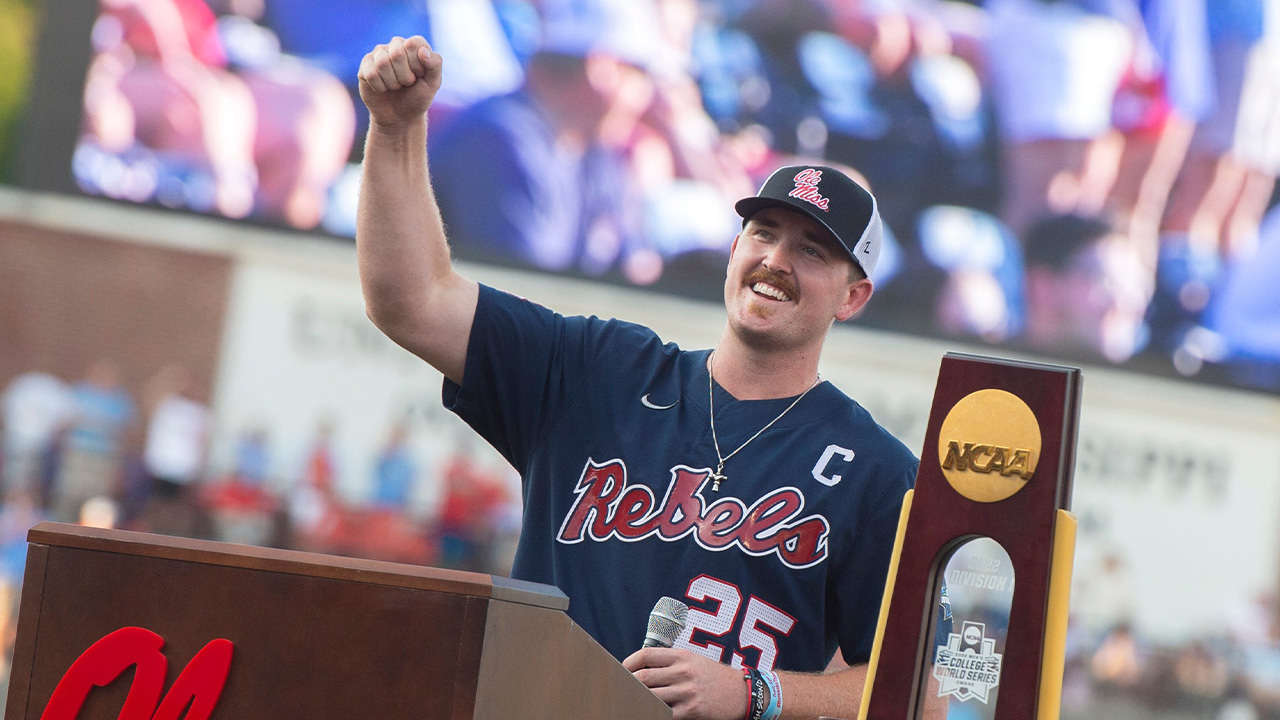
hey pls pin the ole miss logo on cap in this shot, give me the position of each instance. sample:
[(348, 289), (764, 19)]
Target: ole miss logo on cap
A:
[(807, 188)]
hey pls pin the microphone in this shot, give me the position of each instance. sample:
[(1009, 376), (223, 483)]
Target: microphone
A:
[(665, 623)]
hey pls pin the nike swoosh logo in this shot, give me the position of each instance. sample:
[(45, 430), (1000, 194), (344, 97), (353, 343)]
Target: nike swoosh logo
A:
[(645, 401)]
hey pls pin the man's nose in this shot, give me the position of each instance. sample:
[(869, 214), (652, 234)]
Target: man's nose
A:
[(778, 259)]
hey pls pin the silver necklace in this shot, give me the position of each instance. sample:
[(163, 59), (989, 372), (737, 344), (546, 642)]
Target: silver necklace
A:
[(718, 476)]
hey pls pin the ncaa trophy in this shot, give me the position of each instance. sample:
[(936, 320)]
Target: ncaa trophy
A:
[(997, 463)]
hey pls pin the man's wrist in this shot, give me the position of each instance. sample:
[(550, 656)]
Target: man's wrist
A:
[(398, 129), (773, 710), (757, 694), (764, 694)]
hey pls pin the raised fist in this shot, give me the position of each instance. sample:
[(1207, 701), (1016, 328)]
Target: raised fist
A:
[(399, 80)]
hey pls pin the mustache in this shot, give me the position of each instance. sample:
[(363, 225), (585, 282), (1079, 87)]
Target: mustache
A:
[(783, 283)]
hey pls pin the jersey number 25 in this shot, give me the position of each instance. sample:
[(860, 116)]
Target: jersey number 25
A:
[(758, 621)]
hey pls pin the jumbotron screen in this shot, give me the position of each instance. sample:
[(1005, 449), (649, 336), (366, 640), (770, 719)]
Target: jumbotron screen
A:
[(1057, 179)]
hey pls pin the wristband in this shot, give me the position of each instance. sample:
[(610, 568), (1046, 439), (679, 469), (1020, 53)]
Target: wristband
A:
[(774, 709), (756, 705), (746, 675)]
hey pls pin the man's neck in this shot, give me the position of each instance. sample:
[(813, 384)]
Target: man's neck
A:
[(750, 373)]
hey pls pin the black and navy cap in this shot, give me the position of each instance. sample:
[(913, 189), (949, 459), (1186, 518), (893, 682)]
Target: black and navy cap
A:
[(830, 197)]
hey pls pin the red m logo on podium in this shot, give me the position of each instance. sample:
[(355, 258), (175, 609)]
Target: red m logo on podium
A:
[(199, 684)]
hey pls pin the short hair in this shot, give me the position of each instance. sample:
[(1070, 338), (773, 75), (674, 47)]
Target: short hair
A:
[(856, 273)]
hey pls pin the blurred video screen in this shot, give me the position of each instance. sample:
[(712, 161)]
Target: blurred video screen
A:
[(1085, 180)]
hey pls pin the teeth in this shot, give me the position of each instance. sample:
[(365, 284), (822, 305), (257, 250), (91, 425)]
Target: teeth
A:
[(770, 291)]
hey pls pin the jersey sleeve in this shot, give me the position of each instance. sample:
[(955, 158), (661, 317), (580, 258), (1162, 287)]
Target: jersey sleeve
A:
[(515, 372), (525, 364), (861, 581)]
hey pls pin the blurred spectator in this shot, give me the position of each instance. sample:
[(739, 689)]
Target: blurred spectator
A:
[(604, 161), (1087, 289), (319, 472), (1055, 67), (387, 530), (177, 434), (980, 293), (158, 91), (17, 515), (919, 110), (1118, 661), (174, 454), (196, 111), (1261, 674), (314, 514), (1245, 314), (306, 119), (35, 406), (475, 35), (524, 177), (91, 454), (474, 498), (100, 512), (1167, 89), (396, 471), (252, 464), (240, 506), (1103, 597), (1202, 674), (681, 163), (1226, 182), (889, 88), (1236, 705), (1255, 620), (789, 103), (505, 519), (306, 127)]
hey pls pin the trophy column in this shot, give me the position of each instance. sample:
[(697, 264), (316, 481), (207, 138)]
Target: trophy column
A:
[(997, 463)]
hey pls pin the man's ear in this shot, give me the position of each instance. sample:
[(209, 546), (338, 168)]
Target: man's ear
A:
[(854, 300)]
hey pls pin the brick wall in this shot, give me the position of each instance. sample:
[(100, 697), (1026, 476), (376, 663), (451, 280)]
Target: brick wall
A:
[(68, 300)]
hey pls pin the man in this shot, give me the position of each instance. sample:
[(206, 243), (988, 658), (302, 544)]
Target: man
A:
[(568, 199), (736, 480)]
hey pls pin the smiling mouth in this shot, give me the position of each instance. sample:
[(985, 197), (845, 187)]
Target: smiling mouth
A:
[(770, 292)]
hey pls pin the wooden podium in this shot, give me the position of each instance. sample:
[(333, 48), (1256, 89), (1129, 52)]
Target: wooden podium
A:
[(232, 631)]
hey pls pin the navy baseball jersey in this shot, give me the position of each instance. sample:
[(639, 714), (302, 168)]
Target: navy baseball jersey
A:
[(610, 429)]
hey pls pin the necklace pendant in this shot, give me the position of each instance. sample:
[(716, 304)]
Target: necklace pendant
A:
[(716, 479)]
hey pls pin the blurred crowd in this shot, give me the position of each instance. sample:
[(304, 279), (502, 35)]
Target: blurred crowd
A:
[(1230, 672), (89, 451), (1084, 178)]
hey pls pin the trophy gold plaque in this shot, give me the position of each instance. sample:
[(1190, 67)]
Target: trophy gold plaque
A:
[(997, 463)]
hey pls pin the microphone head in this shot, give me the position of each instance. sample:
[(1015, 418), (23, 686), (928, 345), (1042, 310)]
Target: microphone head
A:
[(665, 622)]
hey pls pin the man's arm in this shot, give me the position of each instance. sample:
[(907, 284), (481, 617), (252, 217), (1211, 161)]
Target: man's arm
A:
[(411, 290), (698, 688)]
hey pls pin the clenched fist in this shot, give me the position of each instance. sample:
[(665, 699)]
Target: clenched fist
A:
[(399, 80)]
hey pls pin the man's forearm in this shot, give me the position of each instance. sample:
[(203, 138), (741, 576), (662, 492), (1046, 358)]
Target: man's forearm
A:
[(400, 240), (833, 694)]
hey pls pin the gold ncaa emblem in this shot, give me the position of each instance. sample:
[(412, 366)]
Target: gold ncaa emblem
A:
[(989, 445)]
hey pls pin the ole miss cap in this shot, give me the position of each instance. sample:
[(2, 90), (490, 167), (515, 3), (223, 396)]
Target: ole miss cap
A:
[(833, 199)]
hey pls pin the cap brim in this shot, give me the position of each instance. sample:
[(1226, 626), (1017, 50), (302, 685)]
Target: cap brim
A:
[(749, 206)]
